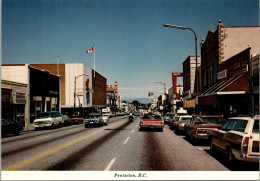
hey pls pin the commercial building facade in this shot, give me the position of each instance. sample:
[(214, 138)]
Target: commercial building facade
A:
[(226, 57), (38, 90), (82, 89)]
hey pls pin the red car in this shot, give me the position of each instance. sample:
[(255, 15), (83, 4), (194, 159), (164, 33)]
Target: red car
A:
[(151, 121), (200, 125), (76, 119)]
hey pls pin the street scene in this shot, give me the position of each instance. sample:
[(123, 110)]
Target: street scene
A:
[(130, 90)]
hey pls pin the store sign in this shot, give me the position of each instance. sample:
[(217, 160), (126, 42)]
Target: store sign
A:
[(53, 93), (79, 93), (222, 74), (20, 96)]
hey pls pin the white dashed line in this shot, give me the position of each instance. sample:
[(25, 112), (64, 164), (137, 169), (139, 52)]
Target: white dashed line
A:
[(200, 149), (132, 131), (110, 164), (126, 140), (36, 139), (72, 129)]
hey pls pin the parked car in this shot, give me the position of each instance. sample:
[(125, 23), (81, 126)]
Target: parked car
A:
[(94, 119), (181, 122), (48, 119), (172, 122), (179, 112), (9, 126), (76, 119), (67, 120), (105, 118), (238, 138), (167, 117), (153, 121), (200, 125)]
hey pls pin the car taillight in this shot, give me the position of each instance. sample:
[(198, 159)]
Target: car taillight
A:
[(162, 123), (245, 145), (141, 122)]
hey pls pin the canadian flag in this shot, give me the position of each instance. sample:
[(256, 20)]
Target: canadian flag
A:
[(90, 50)]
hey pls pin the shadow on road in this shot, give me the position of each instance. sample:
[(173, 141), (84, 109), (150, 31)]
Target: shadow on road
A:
[(237, 166)]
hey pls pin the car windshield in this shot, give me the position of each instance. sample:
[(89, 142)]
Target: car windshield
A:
[(256, 126), (44, 115), (151, 116), (209, 120), (185, 119), (94, 116)]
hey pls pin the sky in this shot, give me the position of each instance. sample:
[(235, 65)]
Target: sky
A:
[(131, 44)]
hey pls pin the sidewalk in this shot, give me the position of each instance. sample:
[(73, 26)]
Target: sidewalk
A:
[(30, 128)]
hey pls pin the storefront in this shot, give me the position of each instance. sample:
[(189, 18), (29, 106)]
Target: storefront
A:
[(13, 101), (44, 92)]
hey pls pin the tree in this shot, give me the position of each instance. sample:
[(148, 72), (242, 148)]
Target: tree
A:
[(136, 103)]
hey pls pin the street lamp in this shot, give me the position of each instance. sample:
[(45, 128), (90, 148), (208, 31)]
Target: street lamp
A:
[(163, 85), (75, 87), (196, 72)]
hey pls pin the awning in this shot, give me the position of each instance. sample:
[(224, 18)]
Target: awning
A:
[(219, 86), (189, 103)]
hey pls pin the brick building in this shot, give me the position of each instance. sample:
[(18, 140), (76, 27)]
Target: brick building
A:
[(226, 57)]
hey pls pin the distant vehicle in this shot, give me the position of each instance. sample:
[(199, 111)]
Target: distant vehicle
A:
[(76, 119), (131, 117), (238, 138), (48, 119), (151, 121), (179, 112), (168, 116), (107, 111), (200, 125), (181, 122), (9, 126), (94, 119), (67, 120), (105, 118)]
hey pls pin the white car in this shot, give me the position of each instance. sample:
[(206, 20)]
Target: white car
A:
[(48, 119), (105, 118)]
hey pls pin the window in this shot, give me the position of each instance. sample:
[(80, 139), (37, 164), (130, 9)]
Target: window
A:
[(224, 127), (230, 126), (240, 126), (256, 126)]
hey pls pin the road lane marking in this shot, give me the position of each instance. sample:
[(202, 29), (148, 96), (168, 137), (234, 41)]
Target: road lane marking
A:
[(110, 164), (132, 131), (72, 129), (33, 159), (126, 140), (200, 149), (36, 139)]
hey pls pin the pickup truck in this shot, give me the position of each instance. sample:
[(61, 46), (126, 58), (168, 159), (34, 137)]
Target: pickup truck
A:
[(238, 138), (200, 125)]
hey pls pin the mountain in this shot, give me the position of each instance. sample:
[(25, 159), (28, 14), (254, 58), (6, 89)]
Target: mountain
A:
[(141, 100)]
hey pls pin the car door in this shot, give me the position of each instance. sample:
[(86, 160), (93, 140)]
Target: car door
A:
[(224, 134)]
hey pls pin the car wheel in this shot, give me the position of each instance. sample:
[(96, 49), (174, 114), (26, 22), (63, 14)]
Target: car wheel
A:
[(16, 131), (86, 126), (231, 158), (212, 147), (193, 140), (161, 129), (60, 125), (140, 129)]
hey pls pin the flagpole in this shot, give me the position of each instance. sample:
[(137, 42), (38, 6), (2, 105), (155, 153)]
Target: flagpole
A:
[(94, 61)]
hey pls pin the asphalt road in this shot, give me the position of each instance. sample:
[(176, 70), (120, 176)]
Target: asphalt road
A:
[(119, 146)]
